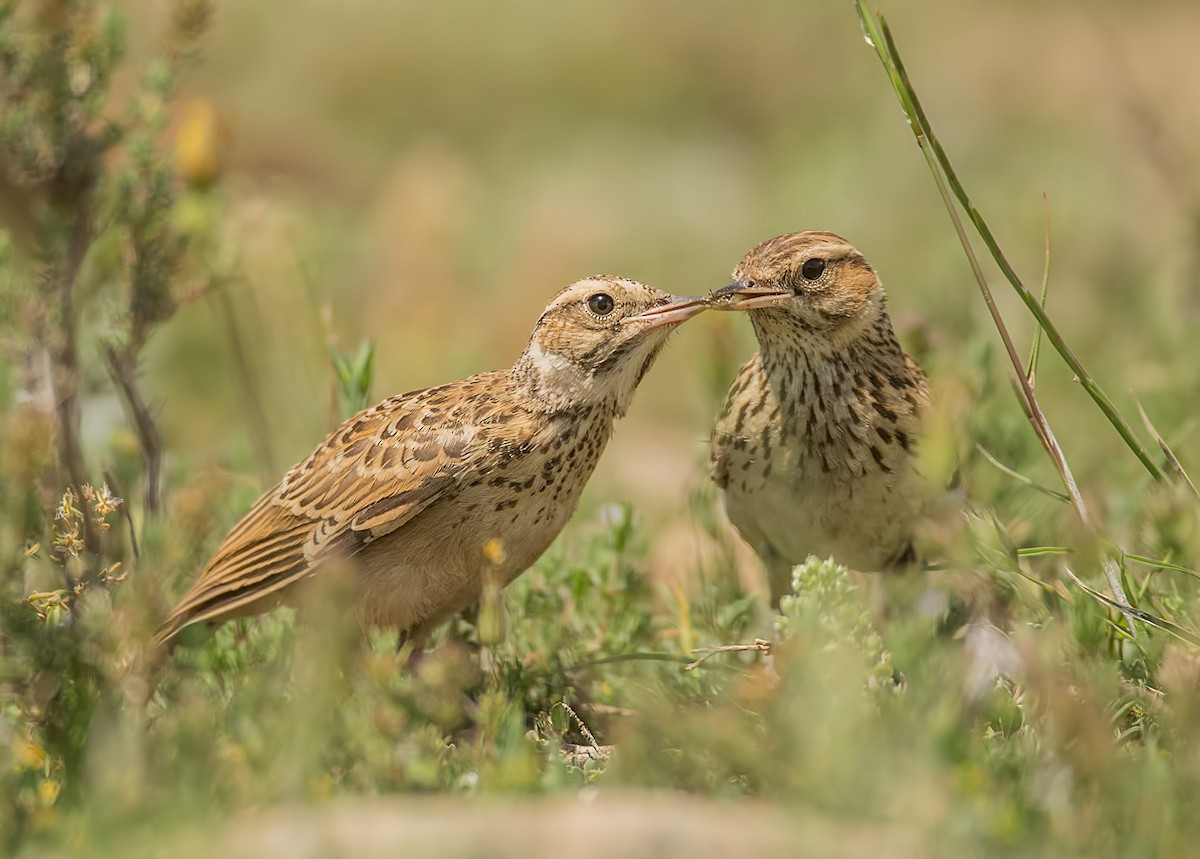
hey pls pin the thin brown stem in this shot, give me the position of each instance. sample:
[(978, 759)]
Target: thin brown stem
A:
[(922, 128), (760, 645), (111, 480), (122, 368), (260, 433), (66, 374), (949, 187), (583, 728), (1036, 349)]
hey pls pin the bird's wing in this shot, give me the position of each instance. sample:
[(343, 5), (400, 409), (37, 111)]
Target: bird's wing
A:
[(728, 427), (919, 375), (727, 454), (371, 475)]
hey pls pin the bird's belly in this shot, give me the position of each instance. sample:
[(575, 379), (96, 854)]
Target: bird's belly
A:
[(862, 520), (435, 565)]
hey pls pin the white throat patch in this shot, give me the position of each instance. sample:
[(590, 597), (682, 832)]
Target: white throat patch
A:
[(551, 366), (566, 382)]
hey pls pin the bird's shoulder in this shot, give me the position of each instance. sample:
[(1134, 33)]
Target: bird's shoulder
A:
[(406, 449)]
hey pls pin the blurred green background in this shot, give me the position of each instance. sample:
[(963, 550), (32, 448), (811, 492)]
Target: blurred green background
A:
[(433, 173)]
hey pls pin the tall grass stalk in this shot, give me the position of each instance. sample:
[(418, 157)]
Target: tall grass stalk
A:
[(879, 37)]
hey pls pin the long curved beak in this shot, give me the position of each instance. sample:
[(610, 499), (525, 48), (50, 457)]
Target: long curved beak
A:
[(746, 295), (678, 309)]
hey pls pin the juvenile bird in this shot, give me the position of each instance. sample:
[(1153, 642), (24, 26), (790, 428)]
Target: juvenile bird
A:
[(814, 447), (421, 493)]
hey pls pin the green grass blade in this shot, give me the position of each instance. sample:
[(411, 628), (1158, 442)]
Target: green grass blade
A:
[(1182, 633), (1037, 551), (1036, 349), (1172, 459), (1021, 478), (1162, 565), (881, 39)]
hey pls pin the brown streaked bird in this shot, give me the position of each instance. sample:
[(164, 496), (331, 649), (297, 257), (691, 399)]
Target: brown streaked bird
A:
[(423, 492), (814, 447)]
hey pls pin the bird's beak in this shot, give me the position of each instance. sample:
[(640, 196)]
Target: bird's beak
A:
[(673, 312), (745, 295)]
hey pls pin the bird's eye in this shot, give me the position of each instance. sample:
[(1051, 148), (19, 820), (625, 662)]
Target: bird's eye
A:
[(813, 268), (601, 304)]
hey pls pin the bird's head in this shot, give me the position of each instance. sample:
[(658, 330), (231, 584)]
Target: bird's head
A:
[(812, 285), (596, 340)]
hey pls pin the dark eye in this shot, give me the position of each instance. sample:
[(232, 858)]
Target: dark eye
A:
[(601, 304), (813, 268)]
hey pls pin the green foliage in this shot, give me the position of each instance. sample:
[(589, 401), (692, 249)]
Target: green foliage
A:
[(50, 665), (90, 260), (354, 374)]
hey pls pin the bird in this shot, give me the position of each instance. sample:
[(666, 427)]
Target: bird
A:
[(424, 494), (814, 447)]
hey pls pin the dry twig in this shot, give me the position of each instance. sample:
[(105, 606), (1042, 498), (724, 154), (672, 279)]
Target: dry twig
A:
[(760, 645)]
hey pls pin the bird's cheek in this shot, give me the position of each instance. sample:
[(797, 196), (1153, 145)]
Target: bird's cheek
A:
[(649, 342), (627, 337), (833, 309)]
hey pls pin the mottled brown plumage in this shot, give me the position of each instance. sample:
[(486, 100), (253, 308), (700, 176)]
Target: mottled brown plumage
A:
[(421, 493), (814, 446)]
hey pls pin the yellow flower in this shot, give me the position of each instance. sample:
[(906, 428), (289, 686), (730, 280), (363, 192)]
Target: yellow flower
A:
[(48, 791), (200, 143), (493, 550), (28, 755)]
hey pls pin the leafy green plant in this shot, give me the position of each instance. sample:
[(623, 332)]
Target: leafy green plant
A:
[(354, 374), (92, 261)]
